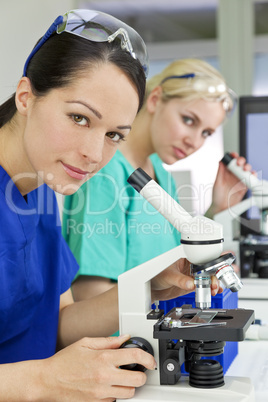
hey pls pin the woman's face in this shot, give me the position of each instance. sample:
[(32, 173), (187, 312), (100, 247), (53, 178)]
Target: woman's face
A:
[(179, 128), (72, 132)]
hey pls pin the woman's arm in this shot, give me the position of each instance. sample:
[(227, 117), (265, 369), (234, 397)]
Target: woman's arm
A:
[(21, 381), (95, 317), (85, 286), (88, 370), (98, 316)]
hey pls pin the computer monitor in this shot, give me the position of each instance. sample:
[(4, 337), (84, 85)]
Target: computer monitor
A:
[(253, 133)]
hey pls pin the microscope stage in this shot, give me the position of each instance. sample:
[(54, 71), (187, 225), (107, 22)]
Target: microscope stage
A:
[(225, 325)]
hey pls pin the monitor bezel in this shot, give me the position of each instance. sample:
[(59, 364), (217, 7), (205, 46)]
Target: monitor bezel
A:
[(249, 105)]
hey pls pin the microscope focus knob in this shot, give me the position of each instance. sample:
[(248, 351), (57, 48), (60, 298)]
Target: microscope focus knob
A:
[(172, 366), (136, 342)]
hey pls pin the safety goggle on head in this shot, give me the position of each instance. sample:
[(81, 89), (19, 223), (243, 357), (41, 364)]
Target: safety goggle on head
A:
[(209, 88), (96, 26)]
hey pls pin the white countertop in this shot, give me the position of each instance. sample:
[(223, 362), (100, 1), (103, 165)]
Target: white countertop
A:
[(254, 288), (252, 362)]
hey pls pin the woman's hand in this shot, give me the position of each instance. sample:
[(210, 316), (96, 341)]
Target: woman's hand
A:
[(89, 370), (228, 190), (176, 281)]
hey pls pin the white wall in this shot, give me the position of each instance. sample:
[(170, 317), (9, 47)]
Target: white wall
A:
[(201, 167), (22, 23)]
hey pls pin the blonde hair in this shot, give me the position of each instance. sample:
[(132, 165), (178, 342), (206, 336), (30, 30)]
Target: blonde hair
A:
[(206, 82)]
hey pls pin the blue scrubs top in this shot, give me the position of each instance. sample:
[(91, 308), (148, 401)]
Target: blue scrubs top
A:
[(110, 228), (36, 267)]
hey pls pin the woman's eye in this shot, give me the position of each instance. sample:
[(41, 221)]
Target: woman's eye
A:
[(206, 133), (78, 119), (188, 120), (116, 137)]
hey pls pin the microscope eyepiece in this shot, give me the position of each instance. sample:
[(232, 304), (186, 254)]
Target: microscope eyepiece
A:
[(138, 179), (227, 158)]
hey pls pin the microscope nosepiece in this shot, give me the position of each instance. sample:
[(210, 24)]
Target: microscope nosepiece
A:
[(229, 278)]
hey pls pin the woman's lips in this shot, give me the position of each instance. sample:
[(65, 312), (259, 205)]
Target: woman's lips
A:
[(179, 153), (74, 172)]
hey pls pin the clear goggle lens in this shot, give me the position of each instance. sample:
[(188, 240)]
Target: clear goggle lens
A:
[(216, 91), (97, 27)]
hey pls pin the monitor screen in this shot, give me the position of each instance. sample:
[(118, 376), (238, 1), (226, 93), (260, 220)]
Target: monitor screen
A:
[(253, 127)]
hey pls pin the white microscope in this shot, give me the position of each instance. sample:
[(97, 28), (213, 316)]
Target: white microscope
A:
[(185, 334), (229, 217)]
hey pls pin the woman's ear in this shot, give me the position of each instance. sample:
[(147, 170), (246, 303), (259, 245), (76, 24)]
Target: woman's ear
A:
[(153, 99), (24, 95)]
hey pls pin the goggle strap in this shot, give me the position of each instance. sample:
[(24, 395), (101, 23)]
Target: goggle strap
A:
[(184, 76), (49, 32)]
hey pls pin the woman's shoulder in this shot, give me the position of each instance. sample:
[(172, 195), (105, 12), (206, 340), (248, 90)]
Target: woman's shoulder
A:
[(117, 160), (117, 169)]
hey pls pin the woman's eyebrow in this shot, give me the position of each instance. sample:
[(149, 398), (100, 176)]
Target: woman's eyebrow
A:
[(128, 127), (193, 114), (98, 114)]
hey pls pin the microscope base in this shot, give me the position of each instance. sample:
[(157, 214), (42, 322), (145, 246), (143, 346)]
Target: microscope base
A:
[(236, 389)]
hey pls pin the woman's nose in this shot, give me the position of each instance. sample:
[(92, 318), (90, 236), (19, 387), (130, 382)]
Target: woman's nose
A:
[(194, 141), (93, 149)]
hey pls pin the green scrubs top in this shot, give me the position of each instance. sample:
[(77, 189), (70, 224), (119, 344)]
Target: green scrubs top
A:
[(110, 227)]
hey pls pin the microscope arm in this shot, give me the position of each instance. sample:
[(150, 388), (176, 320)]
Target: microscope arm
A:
[(135, 288)]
